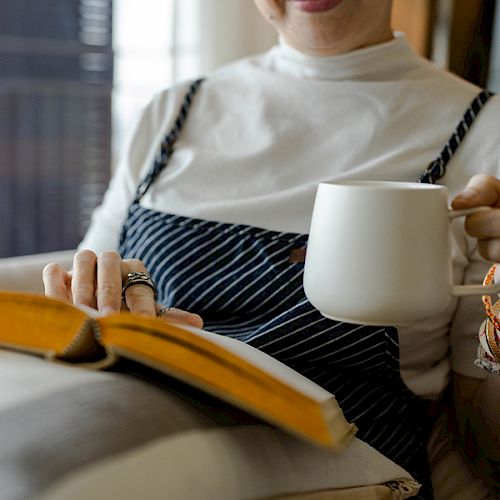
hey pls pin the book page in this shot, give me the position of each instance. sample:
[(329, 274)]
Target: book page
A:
[(254, 356), (89, 311), (265, 362)]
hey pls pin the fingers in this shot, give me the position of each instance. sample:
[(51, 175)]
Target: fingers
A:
[(481, 190), (109, 282), (83, 282), (96, 281), (490, 249), (56, 282), (140, 299), (179, 316), (483, 225)]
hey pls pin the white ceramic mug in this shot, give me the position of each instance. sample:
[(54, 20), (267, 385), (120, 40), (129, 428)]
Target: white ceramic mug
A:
[(379, 252)]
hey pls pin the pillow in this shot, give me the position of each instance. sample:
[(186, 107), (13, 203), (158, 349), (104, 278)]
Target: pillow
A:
[(24, 273), (133, 433)]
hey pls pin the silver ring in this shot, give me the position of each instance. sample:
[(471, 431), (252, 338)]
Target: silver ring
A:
[(163, 310), (138, 278)]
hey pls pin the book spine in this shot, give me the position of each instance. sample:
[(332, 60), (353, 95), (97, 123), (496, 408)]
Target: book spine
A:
[(86, 350)]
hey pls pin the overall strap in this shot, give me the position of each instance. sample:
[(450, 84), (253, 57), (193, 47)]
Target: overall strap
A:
[(437, 167), (168, 143)]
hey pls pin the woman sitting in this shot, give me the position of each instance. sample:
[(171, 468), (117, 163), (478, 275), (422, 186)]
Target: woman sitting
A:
[(214, 196)]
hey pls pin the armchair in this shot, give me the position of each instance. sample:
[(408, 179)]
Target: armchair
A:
[(25, 273), (75, 433)]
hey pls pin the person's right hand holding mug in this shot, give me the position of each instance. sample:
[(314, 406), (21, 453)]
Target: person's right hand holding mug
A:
[(96, 281), (482, 190), (379, 252)]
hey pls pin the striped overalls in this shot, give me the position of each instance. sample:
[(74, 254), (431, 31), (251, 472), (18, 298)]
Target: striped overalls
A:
[(243, 282)]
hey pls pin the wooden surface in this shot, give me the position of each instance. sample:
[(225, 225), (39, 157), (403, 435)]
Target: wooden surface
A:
[(468, 26), (470, 38), (416, 19)]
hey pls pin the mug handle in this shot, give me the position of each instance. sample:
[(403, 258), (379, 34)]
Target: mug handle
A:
[(465, 290)]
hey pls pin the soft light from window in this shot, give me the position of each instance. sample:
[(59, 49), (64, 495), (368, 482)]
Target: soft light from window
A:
[(155, 44)]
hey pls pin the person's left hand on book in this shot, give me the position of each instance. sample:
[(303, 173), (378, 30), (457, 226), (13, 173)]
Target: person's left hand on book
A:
[(96, 281)]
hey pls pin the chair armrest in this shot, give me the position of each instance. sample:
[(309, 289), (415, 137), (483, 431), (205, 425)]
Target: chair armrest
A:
[(25, 273)]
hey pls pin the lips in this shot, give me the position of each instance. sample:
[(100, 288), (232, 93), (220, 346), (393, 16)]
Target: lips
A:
[(315, 5)]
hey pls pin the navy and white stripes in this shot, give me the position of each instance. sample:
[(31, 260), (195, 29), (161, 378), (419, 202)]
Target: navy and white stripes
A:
[(245, 284), (437, 168), (241, 280), (167, 145)]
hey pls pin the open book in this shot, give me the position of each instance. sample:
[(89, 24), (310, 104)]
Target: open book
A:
[(226, 368)]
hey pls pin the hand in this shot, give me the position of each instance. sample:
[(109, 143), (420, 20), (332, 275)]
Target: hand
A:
[(485, 226), (96, 282)]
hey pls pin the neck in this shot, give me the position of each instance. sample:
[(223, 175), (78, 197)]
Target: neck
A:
[(342, 46)]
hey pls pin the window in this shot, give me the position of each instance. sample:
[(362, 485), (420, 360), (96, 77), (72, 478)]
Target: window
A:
[(155, 43), (56, 70), (62, 72)]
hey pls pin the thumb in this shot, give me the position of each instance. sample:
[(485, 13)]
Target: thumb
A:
[(481, 190)]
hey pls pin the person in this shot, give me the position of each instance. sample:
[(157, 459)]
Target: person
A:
[(212, 201)]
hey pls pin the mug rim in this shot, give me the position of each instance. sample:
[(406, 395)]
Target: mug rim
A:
[(389, 185)]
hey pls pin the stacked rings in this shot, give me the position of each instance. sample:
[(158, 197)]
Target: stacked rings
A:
[(138, 278), (162, 311)]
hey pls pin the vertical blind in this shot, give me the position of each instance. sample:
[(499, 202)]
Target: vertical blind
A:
[(74, 76), (56, 70)]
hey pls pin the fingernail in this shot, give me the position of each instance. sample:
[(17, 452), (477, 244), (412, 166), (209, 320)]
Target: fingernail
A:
[(197, 320), (187, 316), (467, 194)]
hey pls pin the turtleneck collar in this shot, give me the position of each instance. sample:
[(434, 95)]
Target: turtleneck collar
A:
[(378, 62)]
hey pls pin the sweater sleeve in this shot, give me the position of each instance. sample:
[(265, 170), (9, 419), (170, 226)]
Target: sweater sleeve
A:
[(136, 160)]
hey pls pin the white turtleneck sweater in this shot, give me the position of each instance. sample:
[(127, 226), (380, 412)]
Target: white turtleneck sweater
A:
[(264, 131)]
